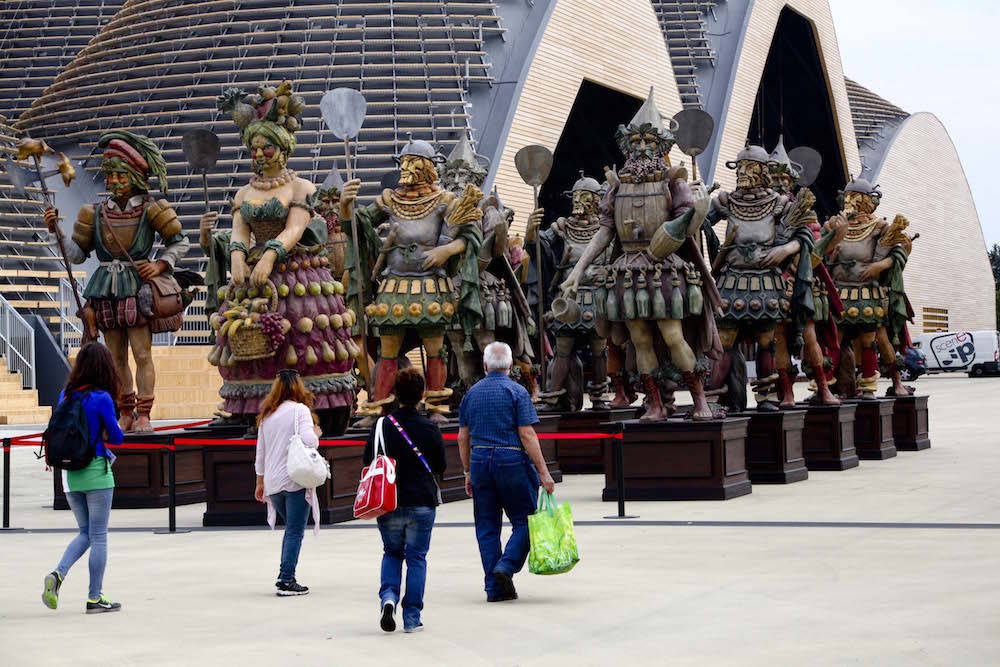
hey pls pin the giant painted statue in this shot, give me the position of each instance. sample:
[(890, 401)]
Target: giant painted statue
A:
[(130, 295), (866, 261), (433, 237), (827, 307), (506, 316), (659, 288), (766, 232), (283, 309), (574, 322)]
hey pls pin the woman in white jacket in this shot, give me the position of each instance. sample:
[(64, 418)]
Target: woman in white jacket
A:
[(285, 410)]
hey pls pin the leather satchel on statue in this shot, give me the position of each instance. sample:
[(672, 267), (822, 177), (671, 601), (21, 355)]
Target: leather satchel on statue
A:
[(159, 298)]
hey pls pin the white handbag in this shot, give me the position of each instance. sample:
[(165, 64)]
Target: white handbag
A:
[(306, 466)]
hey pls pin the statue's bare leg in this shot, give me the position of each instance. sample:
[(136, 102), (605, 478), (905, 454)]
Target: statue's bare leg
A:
[(140, 339), (766, 391), (385, 378), (813, 354), (888, 353), (555, 394), (598, 384), (466, 365), (783, 362), (683, 358), (117, 342), (646, 361), (366, 365), (436, 394)]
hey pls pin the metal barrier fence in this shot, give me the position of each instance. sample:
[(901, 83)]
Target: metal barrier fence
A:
[(17, 343)]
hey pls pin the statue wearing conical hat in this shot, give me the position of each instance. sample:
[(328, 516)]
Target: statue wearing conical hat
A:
[(131, 294), (766, 232), (428, 274), (659, 288), (574, 323), (866, 258), (505, 312)]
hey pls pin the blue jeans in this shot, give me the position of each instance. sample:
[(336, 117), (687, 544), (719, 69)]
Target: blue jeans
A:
[(92, 510), (406, 535), (503, 480), (292, 507)]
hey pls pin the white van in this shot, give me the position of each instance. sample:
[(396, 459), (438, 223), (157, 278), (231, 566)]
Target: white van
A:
[(975, 352)]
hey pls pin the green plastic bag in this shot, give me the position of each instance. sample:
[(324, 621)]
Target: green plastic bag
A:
[(553, 543)]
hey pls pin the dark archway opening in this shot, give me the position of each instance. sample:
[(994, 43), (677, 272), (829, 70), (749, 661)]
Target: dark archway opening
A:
[(794, 100), (587, 142)]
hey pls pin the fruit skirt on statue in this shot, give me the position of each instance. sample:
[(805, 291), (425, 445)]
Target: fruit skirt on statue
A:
[(316, 342)]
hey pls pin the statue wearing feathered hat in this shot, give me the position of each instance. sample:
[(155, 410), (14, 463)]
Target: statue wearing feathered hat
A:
[(131, 295)]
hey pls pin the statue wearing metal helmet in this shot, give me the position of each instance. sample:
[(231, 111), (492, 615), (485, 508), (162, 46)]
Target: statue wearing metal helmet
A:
[(866, 259), (658, 289), (432, 238), (505, 312), (765, 231), (574, 322)]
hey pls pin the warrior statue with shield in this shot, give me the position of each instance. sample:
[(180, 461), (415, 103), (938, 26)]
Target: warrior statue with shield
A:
[(130, 294), (506, 315), (659, 287), (866, 260), (432, 237)]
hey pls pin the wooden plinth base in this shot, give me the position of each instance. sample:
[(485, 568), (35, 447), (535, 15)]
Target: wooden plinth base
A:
[(141, 476), (873, 429), (774, 447), (586, 456), (681, 460), (910, 423), (828, 437)]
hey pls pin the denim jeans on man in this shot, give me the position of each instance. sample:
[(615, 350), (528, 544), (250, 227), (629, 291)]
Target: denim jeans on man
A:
[(406, 535), (92, 510), (503, 480), (292, 507)]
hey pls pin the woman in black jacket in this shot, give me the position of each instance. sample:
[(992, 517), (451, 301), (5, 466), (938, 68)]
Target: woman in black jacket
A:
[(416, 444)]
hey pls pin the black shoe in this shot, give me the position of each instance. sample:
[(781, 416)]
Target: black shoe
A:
[(289, 588), (505, 586), (388, 623), (50, 594), (419, 627), (102, 605)]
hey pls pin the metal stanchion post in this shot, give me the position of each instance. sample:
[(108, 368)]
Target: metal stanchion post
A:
[(171, 493), (6, 483), (620, 475)]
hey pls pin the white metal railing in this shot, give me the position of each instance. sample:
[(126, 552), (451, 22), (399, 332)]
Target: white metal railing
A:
[(70, 326), (17, 343)]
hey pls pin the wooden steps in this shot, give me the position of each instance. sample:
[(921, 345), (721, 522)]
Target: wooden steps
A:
[(18, 405)]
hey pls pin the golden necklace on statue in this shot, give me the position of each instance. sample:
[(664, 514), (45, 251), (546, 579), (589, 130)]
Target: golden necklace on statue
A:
[(260, 183), (860, 228), (415, 209)]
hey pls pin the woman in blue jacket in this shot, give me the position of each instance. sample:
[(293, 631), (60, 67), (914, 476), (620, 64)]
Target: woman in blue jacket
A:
[(89, 491)]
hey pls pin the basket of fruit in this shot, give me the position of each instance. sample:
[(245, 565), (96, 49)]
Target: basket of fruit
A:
[(251, 325)]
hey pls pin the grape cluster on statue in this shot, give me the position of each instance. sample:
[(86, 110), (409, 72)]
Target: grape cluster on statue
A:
[(505, 313), (433, 236), (130, 295), (866, 258), (658, 292), (574, 322), (767, 233), (283, 308)]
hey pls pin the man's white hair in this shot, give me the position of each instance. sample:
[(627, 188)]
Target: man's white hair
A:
[(498, 357)]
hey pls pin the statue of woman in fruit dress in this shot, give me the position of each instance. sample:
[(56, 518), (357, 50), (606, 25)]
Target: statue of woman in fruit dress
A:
[(283, 309)]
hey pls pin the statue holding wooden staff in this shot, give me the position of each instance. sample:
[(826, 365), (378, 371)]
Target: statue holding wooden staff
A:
[(131, 295)]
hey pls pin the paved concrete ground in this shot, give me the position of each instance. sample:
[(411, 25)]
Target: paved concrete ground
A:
[(749, 590)]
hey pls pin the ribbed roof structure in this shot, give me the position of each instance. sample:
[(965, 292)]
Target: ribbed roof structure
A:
[(686, 34), (39, 38), (872, 114), (157, 67)]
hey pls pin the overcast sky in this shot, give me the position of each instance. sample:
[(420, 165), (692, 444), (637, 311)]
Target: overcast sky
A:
[(936, 56)]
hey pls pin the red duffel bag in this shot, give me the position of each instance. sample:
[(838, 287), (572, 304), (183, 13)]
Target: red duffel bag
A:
[(377, 488)]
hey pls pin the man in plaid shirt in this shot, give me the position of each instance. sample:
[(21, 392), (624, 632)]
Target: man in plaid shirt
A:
[(503, 467)]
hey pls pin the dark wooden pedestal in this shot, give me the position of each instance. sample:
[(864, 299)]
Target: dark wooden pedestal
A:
[(141, 476), (873, 429), (681, 460), (774, 447), (828, 437), (909, 423), (586, 456)]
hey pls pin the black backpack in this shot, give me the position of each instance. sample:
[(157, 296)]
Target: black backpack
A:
[(66, 441)]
